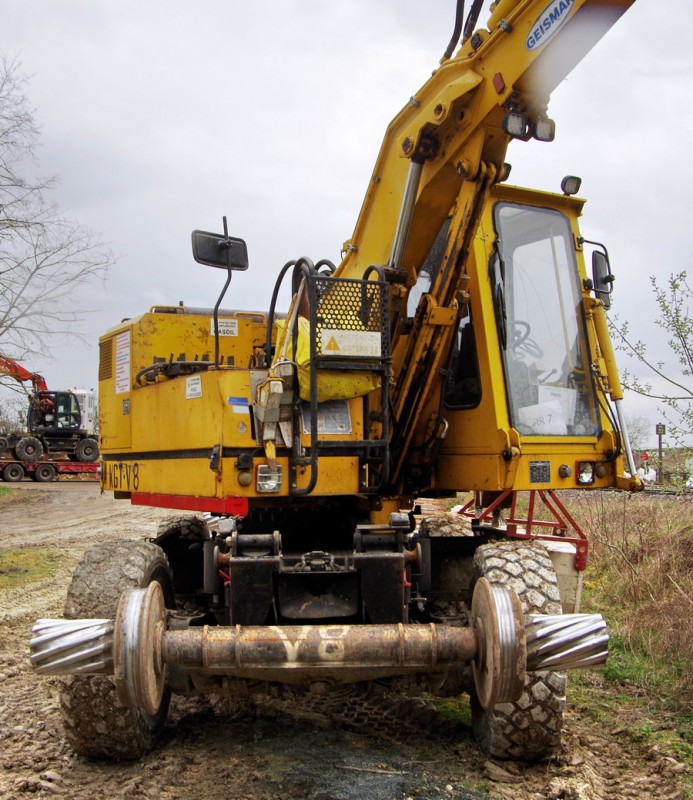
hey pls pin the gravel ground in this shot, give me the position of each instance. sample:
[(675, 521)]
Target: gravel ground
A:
[(208, 752)]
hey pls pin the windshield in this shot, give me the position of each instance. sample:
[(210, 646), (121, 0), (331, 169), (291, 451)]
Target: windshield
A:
[(540, 323)]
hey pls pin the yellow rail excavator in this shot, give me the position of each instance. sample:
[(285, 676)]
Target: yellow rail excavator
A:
[(460, 346)]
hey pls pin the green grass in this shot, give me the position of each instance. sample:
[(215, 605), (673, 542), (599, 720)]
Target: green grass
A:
[(19, 567), (454, 709), (640, 577)]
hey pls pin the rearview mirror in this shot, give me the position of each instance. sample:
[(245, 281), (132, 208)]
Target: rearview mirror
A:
[(217, 250), (602, 278)]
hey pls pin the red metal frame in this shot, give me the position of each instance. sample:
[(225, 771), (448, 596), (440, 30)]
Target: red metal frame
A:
[(62, 466), (561, 521), (237, 506)]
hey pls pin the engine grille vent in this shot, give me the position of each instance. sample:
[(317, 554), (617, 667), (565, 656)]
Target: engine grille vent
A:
[(105, 359)]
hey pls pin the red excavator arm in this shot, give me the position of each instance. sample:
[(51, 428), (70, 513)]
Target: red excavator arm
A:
[(11, 368)]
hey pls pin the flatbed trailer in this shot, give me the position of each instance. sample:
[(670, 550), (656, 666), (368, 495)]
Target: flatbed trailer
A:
[(46, 469)]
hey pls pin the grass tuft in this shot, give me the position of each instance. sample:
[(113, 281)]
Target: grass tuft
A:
[(18, 567), (640, 576)]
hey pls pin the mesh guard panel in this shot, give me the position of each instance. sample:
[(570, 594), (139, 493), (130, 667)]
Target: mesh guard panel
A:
[(351, 318)]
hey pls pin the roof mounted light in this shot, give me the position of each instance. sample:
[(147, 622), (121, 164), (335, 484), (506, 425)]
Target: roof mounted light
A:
[(515, 124), (545, 129), (571, 184)]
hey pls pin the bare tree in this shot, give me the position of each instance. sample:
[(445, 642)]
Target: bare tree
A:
[(640, 430), (676, 373), (12, 414), (44, 257)]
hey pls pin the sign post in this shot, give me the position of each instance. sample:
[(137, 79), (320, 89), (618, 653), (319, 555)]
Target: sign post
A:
[(660, 430)]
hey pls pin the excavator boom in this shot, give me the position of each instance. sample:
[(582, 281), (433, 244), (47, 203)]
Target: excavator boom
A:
[(12, 369), (459, 120), (442, 156)]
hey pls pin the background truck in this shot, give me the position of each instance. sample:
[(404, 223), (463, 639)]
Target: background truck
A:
[(46, 469), (461, 345), (58, 422)]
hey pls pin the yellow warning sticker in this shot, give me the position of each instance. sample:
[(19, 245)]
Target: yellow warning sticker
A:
[(351, 343)]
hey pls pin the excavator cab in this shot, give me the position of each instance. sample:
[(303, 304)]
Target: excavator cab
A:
[(540, 322), (526, 391), (54, 412)]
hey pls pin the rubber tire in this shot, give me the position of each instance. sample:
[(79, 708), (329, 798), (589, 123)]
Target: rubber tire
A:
[(96, 724), (4, 443), (181, 539), (13, 473), (45, 473), (184, 527), (28, 448), (530, 729), (87, 450)]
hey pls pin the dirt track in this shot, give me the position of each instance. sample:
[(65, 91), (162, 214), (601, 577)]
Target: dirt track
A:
[(208, 753)]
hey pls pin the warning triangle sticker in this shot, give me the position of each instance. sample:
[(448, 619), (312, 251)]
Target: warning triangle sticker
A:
[(332, 344)]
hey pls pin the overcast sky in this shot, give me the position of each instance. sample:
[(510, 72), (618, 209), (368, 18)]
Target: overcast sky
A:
[(162, 116)]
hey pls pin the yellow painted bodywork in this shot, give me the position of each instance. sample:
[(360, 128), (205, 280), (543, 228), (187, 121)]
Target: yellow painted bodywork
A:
[(159, 437), (163, 432)]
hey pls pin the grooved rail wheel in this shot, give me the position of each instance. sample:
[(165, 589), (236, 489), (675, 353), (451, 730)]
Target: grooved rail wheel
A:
[(530, 729), (96, 724)]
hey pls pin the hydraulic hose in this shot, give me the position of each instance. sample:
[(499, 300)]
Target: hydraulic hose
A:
[(459, 16), (273, 304), (472, 19)]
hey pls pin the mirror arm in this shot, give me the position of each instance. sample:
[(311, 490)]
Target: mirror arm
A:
[(229, 272)]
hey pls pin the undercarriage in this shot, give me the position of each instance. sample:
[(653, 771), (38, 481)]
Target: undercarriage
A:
[(215, 607)]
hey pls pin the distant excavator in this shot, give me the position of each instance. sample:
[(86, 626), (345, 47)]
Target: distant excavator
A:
[(57, 421)]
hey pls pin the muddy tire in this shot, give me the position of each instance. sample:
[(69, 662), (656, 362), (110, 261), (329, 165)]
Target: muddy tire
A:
[(530, 729), (96, 724), (182, 538), (13, 473), (184, 527), (87, 450), (28, 448), (45, 473)]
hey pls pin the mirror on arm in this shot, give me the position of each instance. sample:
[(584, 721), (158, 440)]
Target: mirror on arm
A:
[(219, 250), (602, 278), (226, 252)]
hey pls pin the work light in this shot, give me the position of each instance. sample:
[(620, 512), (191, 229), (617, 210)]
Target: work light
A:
[(585, 472)]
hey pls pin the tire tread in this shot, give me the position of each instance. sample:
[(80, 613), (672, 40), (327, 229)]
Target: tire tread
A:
[(530, 729), (96, 724)]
